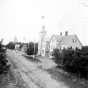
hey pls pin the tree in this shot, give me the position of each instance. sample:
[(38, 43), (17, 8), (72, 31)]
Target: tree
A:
[(4, 67), (10, 45), (31, 50), (57, 56)]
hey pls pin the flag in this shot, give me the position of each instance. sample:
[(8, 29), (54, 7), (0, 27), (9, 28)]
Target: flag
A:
[(42, 17)]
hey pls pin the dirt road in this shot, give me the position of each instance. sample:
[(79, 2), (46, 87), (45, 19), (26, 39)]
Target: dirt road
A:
[(37, 75), (31, 73)]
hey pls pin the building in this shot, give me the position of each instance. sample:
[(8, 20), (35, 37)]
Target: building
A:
[(24, 48), (63, 42), (15, 40), (42, 34), (46, 44), (17, 45)]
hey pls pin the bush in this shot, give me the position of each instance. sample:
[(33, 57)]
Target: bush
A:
[(4, 67), (57, 56), (30, 50), (74, 61), (10, 45)]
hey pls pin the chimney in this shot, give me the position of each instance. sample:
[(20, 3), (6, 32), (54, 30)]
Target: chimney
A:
[(60, 33), (66, 33)]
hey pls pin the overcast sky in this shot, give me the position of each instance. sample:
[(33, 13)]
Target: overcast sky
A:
[(22, 18)]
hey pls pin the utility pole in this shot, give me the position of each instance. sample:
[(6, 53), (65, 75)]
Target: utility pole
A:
[(34, 49)]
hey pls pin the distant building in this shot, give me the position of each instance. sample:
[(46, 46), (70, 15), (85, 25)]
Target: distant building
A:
[(42, 33), (15, 40), (46, 44), (24, 48), (17, 45)]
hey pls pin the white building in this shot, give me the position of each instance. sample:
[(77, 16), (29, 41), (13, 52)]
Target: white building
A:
[(48, 44), (60, 42), (17, 46), (42, 34)]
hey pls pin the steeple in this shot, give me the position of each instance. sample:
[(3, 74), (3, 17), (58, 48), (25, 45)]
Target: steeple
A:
[(15, 40)]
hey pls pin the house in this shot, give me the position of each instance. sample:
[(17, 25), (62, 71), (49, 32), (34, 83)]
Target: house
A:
[(17, 46), (46, 44), (63, 42)]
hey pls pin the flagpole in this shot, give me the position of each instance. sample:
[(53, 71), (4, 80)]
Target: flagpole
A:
[(28, 43), (34, 50)]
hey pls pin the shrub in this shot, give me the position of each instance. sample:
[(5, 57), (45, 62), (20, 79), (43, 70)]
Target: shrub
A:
[(74, 61), (57, 56), (4, 67), (31, 50), (10, 45)]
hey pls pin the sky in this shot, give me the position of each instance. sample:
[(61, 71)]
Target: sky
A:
[(22, 18)]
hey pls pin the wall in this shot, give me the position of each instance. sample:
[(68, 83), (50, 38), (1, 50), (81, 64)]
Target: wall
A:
[(53, 45), (75, 44)]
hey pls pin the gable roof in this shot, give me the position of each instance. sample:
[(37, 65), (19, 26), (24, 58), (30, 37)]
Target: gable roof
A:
[(57, 37), (66, 39)]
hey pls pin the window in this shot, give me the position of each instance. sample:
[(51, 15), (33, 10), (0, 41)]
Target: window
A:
[(51, 47), (42, 51), (64, 47), (73, 40), (42, 45), (71, 47), (60, 47)]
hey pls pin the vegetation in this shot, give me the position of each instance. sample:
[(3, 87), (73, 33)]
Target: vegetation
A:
[(58, 56), (4, 66), (10, 45), (32, 49), (74, 61)]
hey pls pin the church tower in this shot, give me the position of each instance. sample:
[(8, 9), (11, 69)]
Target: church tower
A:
[(15, 40), (42, 33)]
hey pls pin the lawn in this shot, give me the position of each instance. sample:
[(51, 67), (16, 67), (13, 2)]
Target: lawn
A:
[(31, 59)]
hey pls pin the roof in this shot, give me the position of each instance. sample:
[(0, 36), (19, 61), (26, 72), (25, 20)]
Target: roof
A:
[(66, 39), (57, 37), (47, 38)]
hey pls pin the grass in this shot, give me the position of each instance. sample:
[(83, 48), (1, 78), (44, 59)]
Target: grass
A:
[(35, 60), (69, 79)]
